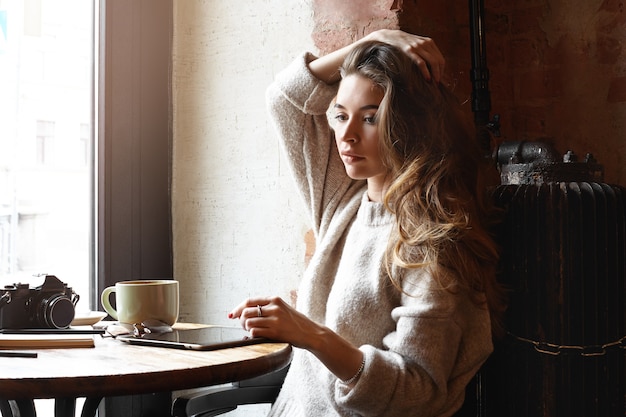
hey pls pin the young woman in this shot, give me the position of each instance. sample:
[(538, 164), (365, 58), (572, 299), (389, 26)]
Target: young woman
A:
[(395, 310)]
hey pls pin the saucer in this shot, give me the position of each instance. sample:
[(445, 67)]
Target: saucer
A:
[(88, 319)]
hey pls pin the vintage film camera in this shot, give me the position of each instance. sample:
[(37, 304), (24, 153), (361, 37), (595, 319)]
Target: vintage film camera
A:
[(48, 306)]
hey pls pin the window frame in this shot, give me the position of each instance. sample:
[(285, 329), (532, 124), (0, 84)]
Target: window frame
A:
[(131, 220)]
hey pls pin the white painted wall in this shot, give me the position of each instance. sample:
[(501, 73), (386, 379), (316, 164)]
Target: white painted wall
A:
[(238, 230), (237, 223)]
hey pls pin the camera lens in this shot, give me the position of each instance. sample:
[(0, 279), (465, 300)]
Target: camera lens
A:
[(58, 312)]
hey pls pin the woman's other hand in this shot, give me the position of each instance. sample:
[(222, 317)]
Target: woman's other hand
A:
[(273, 318)]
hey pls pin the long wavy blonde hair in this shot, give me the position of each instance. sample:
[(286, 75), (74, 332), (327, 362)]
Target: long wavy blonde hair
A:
[(438, 191)]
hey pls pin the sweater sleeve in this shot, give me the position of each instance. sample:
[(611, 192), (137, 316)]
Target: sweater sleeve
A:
[(298, 103), (440, 341)]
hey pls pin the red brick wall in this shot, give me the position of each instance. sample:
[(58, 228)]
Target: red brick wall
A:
[(558, 69)]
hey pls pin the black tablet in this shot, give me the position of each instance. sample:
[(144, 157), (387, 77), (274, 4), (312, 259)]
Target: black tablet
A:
[(207, 338)]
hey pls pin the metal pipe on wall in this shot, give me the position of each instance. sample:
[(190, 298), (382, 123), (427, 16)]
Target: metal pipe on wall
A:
[(479, 75)]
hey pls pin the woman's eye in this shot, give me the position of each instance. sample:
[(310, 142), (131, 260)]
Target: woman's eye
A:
[(341, 117), (370, 119)]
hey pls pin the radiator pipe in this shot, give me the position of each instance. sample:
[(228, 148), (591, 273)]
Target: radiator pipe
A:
[(481, 106), (479, 75)]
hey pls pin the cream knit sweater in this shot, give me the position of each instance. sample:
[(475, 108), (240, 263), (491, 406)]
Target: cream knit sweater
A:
[(420, 350)]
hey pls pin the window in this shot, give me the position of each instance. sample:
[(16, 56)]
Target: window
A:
[(46, 72), (44, 142), (84, 165)]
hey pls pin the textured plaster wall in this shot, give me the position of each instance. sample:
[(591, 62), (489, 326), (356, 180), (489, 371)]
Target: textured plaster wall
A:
[(237, 224)]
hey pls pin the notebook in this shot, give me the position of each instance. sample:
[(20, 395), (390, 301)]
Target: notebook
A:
[(42, 341), (206, 338)]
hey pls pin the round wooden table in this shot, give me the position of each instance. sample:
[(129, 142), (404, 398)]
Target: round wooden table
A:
[(115, 368)]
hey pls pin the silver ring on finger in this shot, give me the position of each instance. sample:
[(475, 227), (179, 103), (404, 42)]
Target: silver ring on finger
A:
[(259, 311)]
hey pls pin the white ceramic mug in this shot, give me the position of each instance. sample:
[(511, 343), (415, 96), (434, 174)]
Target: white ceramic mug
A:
[(138, 301)]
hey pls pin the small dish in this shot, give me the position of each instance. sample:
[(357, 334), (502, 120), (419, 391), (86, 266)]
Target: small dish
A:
[(88, 319)]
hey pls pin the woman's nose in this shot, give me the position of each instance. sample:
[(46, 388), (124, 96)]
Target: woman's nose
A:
[(349, 132)]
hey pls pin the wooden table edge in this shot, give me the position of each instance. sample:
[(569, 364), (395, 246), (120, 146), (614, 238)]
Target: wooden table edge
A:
[(148, 382)]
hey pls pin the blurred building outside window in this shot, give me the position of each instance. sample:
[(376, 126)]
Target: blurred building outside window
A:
[(46, 142)]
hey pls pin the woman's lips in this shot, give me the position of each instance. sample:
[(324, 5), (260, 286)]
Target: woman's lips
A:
[(350, 158)]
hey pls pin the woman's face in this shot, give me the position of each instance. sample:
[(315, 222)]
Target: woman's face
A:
[(356, 130)]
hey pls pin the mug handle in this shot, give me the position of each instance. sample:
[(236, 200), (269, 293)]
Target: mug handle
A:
[(104, 299)]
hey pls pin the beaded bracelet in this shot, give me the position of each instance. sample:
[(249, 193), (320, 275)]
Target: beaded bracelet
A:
[(356, 376)]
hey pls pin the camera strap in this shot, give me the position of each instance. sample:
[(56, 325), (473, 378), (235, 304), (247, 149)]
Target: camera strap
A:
[(5, 299)]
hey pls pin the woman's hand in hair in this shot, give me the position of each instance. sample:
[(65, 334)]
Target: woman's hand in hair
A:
[(420, 49)]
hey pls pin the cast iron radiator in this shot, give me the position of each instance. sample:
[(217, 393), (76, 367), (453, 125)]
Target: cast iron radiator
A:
[(563, 241)]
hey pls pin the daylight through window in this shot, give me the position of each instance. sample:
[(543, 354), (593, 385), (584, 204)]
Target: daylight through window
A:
[(46, 72)]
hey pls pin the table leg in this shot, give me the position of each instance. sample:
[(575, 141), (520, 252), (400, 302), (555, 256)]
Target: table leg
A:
[(90, 407), (6, 410), (26, 408), (144, 405), (65, 407)]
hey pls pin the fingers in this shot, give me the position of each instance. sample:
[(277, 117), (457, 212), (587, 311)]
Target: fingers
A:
[(250, 313), (428, 57), (421, 49), (274, 319), (247, 305), (255, 313)]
